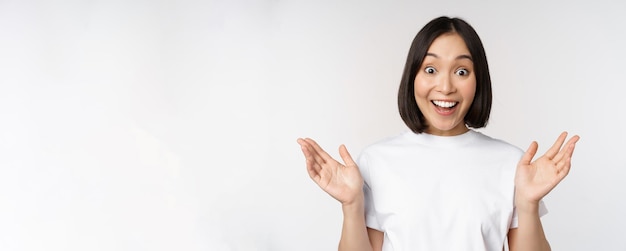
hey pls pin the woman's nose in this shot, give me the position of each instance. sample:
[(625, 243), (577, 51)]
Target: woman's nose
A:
[(444, 84)]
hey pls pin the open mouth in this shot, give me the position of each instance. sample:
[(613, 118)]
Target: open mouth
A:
[(445, 104)]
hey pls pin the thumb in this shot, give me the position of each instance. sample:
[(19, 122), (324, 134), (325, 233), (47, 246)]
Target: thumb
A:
[(345, 156), (530, 153)]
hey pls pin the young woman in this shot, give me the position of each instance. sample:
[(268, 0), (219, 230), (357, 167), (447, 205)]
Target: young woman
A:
[(442, 185)]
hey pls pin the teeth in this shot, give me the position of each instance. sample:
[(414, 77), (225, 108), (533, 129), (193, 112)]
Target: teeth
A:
[(444, 104)]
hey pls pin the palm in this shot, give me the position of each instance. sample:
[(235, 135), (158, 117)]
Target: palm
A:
[(342, 182), (536, 179)]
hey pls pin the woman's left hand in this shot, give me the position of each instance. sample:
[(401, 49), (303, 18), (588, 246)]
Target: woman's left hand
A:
[(534, 180)]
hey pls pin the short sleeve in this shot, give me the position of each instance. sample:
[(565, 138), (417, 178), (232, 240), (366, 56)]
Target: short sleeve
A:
[(371, 220), (515, 220)]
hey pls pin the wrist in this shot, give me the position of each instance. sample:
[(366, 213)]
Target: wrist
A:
[(356, 205), (527, 207)]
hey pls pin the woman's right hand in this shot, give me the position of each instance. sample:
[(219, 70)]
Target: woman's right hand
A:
[(342, 182)]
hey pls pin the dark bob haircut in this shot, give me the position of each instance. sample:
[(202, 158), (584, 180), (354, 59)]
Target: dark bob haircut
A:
[(478, 113)]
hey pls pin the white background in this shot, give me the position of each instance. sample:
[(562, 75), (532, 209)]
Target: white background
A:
[(172, 125)]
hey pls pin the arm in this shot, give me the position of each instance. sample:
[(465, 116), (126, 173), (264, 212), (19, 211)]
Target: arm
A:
[(376, 239), (355, 235), (533, 181), (529, 235), (345, 184)]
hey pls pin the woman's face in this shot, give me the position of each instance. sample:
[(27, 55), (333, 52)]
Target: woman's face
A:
[(445, 85)]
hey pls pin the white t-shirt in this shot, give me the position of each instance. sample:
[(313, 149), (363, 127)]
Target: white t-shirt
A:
[(428, 192)]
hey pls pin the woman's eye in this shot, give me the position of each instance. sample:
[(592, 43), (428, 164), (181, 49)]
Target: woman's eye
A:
[(462, 72), (430, 70)]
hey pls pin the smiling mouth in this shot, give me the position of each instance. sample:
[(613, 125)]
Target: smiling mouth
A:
[(444, 104)]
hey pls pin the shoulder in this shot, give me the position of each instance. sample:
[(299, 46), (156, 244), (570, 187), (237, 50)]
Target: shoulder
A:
[(382, 149), (496, 145), (392, 142)]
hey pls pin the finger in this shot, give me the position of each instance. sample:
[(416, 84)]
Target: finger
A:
[(313, 173), (557, 146), (530, 153), (318, 150), (572, 146), (345, 156), (316, 160), (564, 169), (312, 160), (565, 164), (567, 150), (313, 154)]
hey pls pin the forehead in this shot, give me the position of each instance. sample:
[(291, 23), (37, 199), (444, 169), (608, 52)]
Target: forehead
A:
[(451, 44)]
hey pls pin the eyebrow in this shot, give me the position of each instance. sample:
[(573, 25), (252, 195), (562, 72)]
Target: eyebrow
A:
[(464, 56)]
